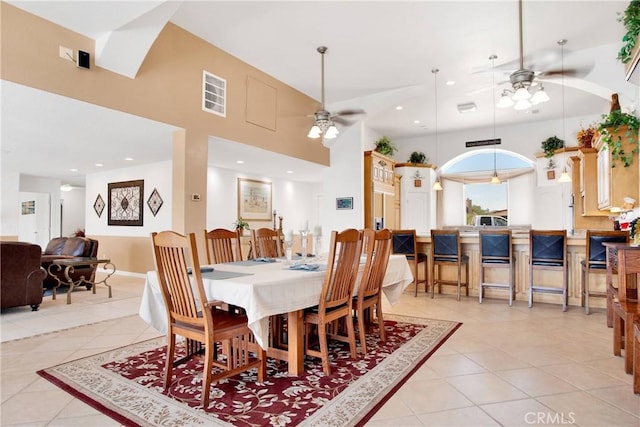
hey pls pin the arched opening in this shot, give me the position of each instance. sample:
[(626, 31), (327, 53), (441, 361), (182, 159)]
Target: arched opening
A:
[(485, 203)]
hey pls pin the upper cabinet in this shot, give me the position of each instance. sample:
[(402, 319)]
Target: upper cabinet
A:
[(379, 191), (615, 182)]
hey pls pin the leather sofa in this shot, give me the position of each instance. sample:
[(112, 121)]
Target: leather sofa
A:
[(69, 247), (21, 275)]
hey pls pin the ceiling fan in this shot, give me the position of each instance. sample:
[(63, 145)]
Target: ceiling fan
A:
[(323, 120), (523, 80)]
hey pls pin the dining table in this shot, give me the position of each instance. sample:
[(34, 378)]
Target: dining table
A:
[(268, 287)]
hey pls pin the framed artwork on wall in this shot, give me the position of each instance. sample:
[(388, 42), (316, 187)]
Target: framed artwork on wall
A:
[(155, 202), (254, 200), (125, 203), (344, 203), (98, 205)]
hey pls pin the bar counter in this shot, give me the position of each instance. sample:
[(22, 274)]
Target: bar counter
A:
[(576, 244)]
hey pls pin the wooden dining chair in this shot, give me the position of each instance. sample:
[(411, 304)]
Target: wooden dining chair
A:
[(595, 261), (548, 251), (404, 243), (377, 246), (266, 243), (191, 316), (223, 246), (336, 296), (446, 250), (636, 357)]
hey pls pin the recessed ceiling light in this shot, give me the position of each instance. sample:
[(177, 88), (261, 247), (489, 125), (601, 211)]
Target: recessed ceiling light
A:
[(469, 107), (289, 171), (99, 165), (416, 122), (450, 82), (73, 170), (399, 107), (239, 162), (128, 159)]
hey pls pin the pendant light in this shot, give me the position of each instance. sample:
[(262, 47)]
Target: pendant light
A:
[(436, 185), (564, 175), (494, 178)]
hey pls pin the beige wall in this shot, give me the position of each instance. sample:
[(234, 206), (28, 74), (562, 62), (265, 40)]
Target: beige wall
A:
[(166, 89)]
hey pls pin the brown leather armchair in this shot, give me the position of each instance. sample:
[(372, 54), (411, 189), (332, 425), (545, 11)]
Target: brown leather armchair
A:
[(69, 247), (20, 275)]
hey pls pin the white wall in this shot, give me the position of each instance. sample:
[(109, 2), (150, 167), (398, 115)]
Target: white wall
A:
[(295, 201), (9, 203), (156, 175), (73, 211)]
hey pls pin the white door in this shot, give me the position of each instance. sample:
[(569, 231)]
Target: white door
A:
[(34, 225), (416, 214)]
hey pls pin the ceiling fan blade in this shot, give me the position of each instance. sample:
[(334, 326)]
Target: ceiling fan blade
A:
[(341, 121), (571, 72), (351, 112)]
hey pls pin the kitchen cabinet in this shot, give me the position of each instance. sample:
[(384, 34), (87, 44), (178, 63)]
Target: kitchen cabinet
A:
[(589, 182), (379, 191), (614, 181)]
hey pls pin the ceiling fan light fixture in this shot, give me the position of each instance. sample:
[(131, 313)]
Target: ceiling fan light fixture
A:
[(522, 105), (539, 96), (505, 100), (331, 132), (521, 94), (314, 132)]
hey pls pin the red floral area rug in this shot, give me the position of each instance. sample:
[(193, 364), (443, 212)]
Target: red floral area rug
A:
[(126, 383)]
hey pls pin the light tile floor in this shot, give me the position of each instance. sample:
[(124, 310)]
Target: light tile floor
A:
[(510, 366)]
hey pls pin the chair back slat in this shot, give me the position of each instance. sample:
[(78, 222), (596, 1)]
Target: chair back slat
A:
[(377, 246), (223, 246), (173, 253), (342, 268), (266, 243)]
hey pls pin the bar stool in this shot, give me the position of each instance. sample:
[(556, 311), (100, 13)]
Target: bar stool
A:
[(496, 251), (404, 243), (596, 261), (548, 251), (446, 250)]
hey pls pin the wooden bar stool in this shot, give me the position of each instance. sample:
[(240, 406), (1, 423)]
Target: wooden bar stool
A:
[(496, 251), (548, 251), (595, 261), (446, 250)]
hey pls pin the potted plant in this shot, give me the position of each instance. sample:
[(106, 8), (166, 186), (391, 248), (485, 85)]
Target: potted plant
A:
[(385, 147), (418, 158), (630, 18), (550, 145), (241, 224), (585, 136), (611, 127)]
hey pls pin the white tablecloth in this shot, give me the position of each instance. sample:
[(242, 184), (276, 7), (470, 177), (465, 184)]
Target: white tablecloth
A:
[(271, 288)]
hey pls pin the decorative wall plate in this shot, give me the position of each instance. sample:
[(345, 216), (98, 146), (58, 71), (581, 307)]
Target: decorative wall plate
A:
[(154, 202), (98, 205)]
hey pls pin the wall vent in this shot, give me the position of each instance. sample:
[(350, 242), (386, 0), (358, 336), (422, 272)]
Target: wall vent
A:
[(214, 94)]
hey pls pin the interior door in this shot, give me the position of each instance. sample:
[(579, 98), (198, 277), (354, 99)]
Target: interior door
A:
[(417, 211), (34, 225)]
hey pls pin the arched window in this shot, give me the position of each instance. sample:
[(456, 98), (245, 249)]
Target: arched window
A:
[(483, 200)]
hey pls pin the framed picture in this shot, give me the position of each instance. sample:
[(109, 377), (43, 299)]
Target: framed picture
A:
[(29, 208), (125, 203), (344, 203), (254, 200)]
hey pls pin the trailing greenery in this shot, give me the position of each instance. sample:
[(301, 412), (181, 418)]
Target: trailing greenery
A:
[(418, 158), (550, 145), (630, 18), (610, 125), (385, 147)]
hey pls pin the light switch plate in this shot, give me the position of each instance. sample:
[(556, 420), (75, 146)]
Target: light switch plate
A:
[(66, 53)]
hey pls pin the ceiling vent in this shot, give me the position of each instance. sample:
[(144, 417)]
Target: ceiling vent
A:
[(214, 94), (469, 107)]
